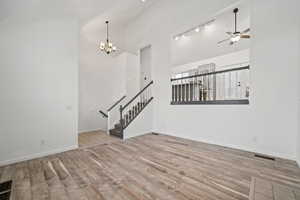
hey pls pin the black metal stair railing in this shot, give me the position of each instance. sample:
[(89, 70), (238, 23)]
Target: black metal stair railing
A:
[(105, 114), (230, 86), (135, 106)]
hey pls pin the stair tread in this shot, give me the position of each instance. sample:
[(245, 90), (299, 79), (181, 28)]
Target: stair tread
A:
[(129, 116), (116, 132)]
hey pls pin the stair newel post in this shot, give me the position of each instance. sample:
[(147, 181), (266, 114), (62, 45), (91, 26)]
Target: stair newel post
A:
[(121, 119), (108, 122)]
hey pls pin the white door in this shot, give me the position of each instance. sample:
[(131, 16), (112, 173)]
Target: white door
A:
[(145, 63)]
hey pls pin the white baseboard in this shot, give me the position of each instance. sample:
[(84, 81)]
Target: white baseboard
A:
[(242, 148), (92, 130), (126, 137), (37, 155)]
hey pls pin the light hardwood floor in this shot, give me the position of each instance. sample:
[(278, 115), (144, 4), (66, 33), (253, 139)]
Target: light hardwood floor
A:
[(154, 167), (95, 138)]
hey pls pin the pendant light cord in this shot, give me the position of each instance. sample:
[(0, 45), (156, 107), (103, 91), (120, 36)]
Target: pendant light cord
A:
[(107, 31)]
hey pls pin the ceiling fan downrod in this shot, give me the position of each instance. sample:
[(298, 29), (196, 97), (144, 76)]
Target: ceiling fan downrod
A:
[(236, 10)]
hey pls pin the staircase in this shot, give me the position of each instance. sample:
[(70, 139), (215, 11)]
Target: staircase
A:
[(117, 131), (131, 110)]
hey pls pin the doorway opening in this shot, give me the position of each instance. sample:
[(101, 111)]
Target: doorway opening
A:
[(145, 66)]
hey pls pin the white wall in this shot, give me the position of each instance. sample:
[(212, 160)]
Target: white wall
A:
[(138, 68), (269, 124), (145, 65), (298, 141), (132, 75), (101, 84), (275, 49), (142, 124), (103, 80), (222, 62), (38, 86)]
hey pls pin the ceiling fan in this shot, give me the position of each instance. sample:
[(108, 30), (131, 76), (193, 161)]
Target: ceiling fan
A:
[(235, 36)]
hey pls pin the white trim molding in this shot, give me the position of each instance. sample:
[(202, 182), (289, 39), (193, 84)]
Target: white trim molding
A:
[(92, 130), (37, 155)]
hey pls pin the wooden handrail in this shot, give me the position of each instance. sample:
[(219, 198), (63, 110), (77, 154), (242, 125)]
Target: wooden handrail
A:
[(113, 106), (148, 102), (136, 96), (104, 114), (212, 73)]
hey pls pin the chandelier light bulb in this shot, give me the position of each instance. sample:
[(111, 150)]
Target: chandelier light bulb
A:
[(102, 45)]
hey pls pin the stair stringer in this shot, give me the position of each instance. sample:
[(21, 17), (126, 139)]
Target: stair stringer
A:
[(142, 124)]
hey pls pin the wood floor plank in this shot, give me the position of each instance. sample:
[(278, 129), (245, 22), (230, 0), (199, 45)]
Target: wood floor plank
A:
[(1, 171), (80, 177), (152, 167), (22, 184), (71, 188), (55, 187), (163, 170), (39, 186), (213, 179), (7, 173), (297, 194), (282, 192), (125, 172), (95, 138)]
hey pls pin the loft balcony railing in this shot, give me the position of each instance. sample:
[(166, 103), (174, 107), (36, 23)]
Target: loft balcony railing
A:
[(230, 86)]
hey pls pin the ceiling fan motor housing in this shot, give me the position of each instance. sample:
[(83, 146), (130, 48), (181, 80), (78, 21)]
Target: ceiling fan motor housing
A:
[(236, 35)]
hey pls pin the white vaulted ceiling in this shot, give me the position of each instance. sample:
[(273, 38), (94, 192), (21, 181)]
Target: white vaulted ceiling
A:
[(119, 14), (203, 45), (90, 14), (85, 10)]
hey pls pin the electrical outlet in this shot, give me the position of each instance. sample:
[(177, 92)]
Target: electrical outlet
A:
[(43, 142), (69, 108), (254, 139)]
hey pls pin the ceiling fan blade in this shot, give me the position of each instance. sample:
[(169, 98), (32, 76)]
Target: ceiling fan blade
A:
[(246, 31), (245, 36), (223, 41)]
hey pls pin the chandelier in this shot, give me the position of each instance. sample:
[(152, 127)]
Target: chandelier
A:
[(107, 46)]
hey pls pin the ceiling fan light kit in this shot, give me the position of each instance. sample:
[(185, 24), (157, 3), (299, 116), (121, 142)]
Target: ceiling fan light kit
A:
[(236, 36), (107, 46)]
